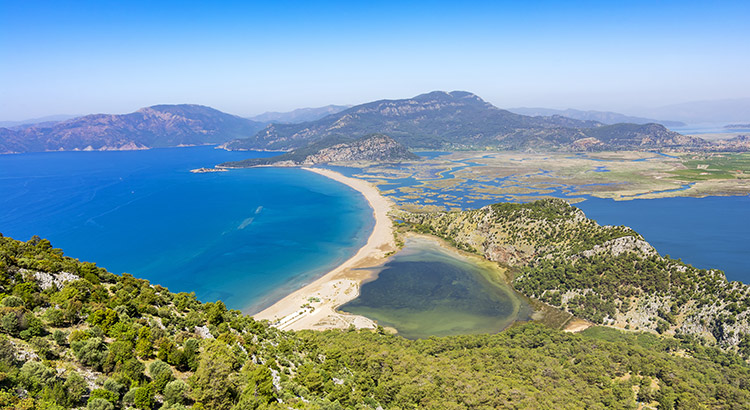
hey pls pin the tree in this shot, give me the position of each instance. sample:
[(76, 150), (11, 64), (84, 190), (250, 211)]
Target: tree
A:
[(104, 394), (75, 388), (90, 352), (143, 398), (161, 374), (144, 348), (258, 390), (215, 312), (35, 375), (132, 370), (9, 323), (215, 383), (96, 403), (176, 392)]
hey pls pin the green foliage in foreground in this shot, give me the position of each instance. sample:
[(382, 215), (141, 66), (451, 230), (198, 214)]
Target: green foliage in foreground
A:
[(143, 347)]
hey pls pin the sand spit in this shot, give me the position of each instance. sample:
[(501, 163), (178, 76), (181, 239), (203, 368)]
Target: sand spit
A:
[(314, 306)]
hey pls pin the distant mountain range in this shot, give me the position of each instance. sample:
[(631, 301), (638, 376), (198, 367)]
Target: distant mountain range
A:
[(605, 117), (151, 127), (299, 115), (737, 126), (48, 120), (375, 147), (437, 120), (462, 120)]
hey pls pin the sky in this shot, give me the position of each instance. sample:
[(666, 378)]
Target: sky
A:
[(247, 57)]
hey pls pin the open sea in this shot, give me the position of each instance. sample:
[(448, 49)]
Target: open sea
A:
[(247, 237)]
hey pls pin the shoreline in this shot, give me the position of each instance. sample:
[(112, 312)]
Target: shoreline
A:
[(314, 305)]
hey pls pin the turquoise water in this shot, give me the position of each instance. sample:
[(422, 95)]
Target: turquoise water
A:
[(246, 237), (425, 291)]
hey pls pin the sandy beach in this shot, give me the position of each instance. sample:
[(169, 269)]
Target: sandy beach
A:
[(314, 306)]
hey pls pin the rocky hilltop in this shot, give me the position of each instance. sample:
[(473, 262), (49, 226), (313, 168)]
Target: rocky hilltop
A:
[(150, 127), (607, 274), (375, 147), (462, 120)]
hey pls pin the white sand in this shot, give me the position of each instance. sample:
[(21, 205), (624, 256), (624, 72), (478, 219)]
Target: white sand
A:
[(314, 306)]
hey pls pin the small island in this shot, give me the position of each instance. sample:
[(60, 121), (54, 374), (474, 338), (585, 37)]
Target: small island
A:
[(205, 170)]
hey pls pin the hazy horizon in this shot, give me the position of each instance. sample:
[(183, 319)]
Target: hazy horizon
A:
[(248, 59)]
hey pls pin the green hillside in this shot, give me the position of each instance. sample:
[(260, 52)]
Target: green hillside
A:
[(77, 336)]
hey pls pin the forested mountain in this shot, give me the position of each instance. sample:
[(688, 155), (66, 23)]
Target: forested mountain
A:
[(151, 127), (608, 275), (73, 335), (461, 120), (375, 147)]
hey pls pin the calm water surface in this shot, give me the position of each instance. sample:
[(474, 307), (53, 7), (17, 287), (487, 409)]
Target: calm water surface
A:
[(246, 237), (425, 290)]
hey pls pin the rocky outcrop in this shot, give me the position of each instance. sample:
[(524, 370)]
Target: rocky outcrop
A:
[(372, 148), (621, 245), (46, 280)]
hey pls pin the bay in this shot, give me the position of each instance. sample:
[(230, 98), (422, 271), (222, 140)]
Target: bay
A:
[(246, 237)]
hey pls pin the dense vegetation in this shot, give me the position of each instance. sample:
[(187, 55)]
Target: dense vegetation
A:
[(606, 274), (75, 335)]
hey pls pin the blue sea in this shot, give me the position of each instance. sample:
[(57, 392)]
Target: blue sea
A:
[(246, 237), (708, 233)]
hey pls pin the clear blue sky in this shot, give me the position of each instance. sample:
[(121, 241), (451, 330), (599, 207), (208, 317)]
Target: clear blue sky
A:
[(245, 58)]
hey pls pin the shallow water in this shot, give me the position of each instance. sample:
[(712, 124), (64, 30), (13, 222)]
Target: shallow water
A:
[(426, 290)]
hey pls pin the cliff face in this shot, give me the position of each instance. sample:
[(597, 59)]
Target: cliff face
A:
[(151, 127), (375, 148), (609, 275)]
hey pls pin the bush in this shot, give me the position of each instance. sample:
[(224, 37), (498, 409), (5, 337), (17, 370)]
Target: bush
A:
[(176, 392), (107, 395), (99, 404), (12, 301), (161, 374), (90, 352)]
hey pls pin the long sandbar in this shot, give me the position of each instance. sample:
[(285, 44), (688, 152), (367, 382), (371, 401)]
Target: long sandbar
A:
[(314, 306)]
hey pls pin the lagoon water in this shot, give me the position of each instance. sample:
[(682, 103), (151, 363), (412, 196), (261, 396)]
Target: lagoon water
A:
[(425, 290), (246, 237)]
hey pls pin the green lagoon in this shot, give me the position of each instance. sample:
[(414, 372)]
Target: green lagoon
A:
[(426, 290)]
